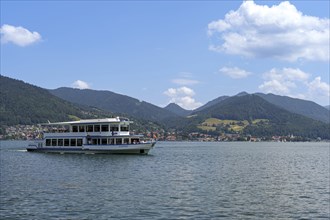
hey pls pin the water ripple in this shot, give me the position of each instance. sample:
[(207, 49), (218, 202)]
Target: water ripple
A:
[(178, 181)]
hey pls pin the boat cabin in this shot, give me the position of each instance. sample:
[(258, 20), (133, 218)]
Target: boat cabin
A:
[(108, 131)]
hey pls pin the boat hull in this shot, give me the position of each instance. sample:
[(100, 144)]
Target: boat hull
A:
[(96, 149)]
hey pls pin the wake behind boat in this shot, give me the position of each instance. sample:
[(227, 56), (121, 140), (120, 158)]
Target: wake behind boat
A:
[(92, 136)]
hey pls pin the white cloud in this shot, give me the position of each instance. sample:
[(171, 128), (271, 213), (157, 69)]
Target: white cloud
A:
[(183, 96), (234, 72), (18, 35), (319, 88), (295, 83), (80, 84), (282, 81), (171, 92), (277, 87), (280, 31)]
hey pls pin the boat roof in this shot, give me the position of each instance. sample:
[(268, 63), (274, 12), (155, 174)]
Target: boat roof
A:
[(91, 121)]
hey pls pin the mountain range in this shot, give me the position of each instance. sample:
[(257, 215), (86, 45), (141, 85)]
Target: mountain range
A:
[(275, 119), (113, 102), (22, 103), (303, 107)]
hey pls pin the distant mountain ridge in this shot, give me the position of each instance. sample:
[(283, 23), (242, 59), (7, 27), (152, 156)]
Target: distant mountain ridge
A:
[(211, 103), (22, 103), (303, 107), (113, 102), (25, 104), (251, 107), (176, 109)]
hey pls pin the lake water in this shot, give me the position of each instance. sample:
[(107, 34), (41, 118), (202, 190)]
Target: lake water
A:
[(177, 180)]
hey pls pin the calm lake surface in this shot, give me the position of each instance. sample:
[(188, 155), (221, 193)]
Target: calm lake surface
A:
[(177, 180)]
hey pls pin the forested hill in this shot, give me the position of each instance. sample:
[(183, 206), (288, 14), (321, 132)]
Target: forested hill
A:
[(211, 103), (22, 103), (176, 109), (299, 106), (279, 121), (303, 107), (114, 102)]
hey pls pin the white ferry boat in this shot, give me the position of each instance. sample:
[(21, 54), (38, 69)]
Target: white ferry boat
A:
[(108, 135)]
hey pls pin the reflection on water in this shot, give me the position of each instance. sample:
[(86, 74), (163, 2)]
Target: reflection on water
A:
[(177, 180)]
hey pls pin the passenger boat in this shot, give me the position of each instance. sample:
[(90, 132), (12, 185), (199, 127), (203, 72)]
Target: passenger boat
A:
[(93, 136)]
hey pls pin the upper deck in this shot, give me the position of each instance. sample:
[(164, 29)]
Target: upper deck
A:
[(93, 127)]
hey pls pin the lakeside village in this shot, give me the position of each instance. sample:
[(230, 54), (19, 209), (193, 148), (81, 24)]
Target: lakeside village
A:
[(32, 132)]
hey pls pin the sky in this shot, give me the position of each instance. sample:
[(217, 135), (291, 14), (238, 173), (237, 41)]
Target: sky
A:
[(186, 52)]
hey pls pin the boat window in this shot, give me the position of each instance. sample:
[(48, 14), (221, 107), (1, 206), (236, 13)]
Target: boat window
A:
[(114, 128), (60, 142), (73, 142), (94, 141), (81, 128), (66, 128), (79, 142), (118, 141), (111, 141), (105, 128), (96, 128), (135, 140), (54, 142), (66, 142), (89, 128), (104, 141), (126, 140), (124, 128), (48, 142), (74, 128)]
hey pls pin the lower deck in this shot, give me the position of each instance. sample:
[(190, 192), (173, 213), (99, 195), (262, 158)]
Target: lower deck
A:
[(88, 151), (80, 141), (136, 148)]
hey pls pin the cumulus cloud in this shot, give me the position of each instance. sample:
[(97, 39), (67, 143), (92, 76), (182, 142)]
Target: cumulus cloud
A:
[(171, 92), (295, 83), (319, 88), (280, 31), (234, 72), (281, 81), (79, 84), (18, 35), (183, 96)]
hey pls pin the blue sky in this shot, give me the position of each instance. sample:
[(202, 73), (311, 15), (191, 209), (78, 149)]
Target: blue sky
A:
[(187, 52)]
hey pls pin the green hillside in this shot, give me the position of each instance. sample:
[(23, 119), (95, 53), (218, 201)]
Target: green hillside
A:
[(213, 124), (299, 106), (25, 104), (176, 109), (114, 102), (22, 103), (303, 107), (275, 120)]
